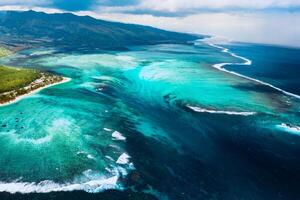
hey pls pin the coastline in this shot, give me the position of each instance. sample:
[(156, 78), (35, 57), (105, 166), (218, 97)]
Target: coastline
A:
[(18, 98), (247, 62)]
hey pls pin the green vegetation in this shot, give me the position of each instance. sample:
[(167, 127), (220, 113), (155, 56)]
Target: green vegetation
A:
[(15, 78), (68, 30), (5, 52), (18, 81)]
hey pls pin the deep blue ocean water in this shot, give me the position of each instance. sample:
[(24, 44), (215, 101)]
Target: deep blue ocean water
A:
[(192, 131), (277, 65)]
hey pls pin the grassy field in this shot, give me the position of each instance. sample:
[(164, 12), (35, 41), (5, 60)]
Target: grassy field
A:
[(5, 52), (15, 78)]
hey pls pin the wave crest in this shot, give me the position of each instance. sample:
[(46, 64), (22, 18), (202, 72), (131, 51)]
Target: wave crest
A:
[(203, 110), (290, 128), (47, 186), (247, 62)]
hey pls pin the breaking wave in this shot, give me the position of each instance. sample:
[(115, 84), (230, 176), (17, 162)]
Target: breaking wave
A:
[(92, 186), (202, 110), (246, 62), (290, 128)]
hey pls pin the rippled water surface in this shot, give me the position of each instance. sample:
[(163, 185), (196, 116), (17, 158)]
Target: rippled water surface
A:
[(156, 119)]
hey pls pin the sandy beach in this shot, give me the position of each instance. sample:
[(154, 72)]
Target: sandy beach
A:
[(65, 80)]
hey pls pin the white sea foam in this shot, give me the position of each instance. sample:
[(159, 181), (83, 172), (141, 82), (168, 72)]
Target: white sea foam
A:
[(109, 158), (42, 140), (122, 171), (118, 136), (114, 146), (47, 186), (35, 141), (123, 159), (247, 62), (108, 169), (81, 152), (202, 110), (290, 128), (89, 156)]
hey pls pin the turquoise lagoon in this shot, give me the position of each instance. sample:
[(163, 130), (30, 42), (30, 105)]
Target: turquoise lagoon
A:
[(156, 119)]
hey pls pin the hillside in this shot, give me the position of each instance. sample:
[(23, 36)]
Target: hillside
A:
[(68, 30)]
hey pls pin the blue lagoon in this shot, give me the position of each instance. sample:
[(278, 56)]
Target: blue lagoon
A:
[(198, 121)]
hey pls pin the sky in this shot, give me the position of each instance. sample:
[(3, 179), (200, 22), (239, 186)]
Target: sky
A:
[(261, 21)]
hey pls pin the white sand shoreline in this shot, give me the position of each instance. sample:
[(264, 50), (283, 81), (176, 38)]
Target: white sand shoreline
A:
[(18, 98)]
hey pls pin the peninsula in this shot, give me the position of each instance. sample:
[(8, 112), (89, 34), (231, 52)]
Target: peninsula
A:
[(17, 82)]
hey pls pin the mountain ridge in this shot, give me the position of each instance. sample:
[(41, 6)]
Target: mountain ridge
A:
[(69, 30)]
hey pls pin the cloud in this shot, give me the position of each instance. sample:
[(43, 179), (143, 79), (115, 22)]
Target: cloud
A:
[(269, 28), (160, 7), (177, 8), (266, 21), (177, 5)]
